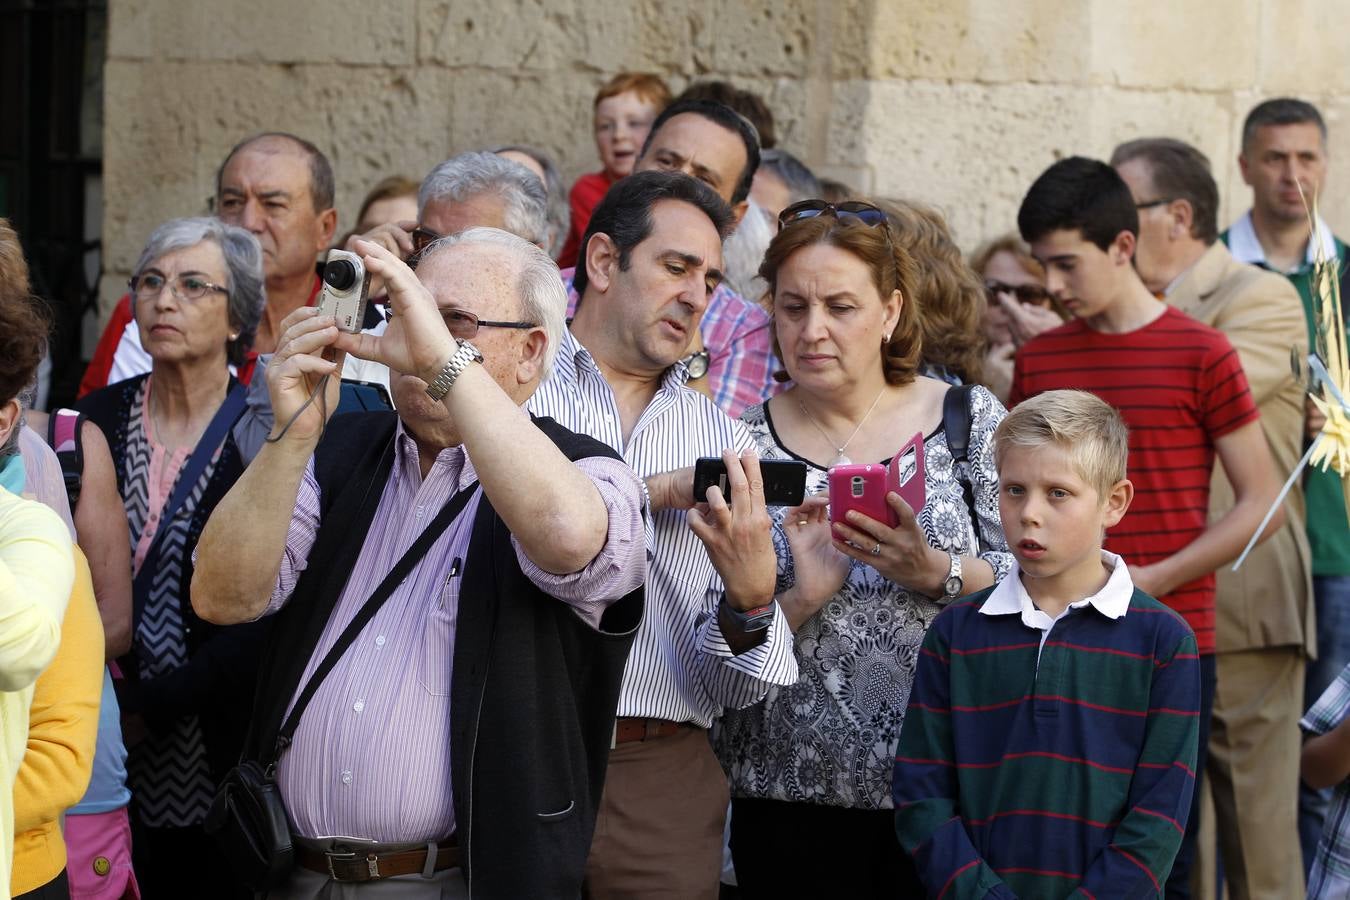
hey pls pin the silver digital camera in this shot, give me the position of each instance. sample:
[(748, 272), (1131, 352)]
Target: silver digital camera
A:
[(345, 285)]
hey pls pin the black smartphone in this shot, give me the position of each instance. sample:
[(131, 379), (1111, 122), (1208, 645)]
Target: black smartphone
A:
[(359, 396), (784, 479)]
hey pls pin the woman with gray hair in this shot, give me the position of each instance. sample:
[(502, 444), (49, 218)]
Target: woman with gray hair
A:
[(197, 295)]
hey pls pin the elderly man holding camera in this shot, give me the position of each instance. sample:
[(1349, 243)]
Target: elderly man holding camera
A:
[(465, 581)]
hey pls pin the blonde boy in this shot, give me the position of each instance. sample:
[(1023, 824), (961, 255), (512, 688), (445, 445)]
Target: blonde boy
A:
[(622, 115), (1049, 744)]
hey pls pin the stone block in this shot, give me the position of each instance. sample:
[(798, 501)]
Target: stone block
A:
[(1302, 48), (1196, 45), (748, 39), (555, 35), (982, 40), (353, 32)]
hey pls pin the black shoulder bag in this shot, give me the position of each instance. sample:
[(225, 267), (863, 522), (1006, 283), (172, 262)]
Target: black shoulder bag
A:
[(956, 419), (247, 817)]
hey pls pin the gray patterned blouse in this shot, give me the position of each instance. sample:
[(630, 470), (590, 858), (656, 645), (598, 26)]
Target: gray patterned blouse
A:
[(831, 737)]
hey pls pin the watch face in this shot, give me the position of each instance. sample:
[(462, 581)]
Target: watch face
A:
[(697, 364), (952, 586)]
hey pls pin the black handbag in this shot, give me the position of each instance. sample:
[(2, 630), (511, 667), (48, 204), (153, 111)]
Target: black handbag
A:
[(247, 818)]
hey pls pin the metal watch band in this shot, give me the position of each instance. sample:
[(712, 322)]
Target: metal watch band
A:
[(459, 361), (951, 586)]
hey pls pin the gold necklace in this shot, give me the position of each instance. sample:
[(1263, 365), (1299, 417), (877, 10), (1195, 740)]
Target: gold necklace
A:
[(840, 459)]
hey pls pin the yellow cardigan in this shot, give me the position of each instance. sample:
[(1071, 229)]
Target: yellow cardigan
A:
[(37, 571), (62, 732)]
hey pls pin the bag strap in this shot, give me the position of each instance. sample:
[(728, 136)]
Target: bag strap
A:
[(191, 472), (956, 418), (65, 439), (401, 569)]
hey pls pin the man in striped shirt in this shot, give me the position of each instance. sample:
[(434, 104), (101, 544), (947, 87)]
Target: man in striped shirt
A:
[(1049, 744), (651, 259), (1179, 386)]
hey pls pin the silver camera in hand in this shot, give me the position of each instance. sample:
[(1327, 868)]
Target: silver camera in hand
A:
[(345, 285)]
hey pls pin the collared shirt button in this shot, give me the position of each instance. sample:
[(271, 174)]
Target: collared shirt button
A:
[(379, 641), (346, 776), (358, 706)]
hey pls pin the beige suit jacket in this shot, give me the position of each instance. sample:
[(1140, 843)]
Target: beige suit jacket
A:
[(1266, 603)]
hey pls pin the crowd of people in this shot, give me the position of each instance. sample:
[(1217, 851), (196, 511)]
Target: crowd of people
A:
[(485, 639)]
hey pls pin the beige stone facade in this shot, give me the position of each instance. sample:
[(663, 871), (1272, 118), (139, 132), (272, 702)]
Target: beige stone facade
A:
[(960, 104)]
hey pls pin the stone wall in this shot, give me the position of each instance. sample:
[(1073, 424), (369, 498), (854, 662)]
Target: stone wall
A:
[(957, 104)]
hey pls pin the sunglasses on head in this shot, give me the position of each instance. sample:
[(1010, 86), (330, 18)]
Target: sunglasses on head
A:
[(1032, 294), (850, 211)]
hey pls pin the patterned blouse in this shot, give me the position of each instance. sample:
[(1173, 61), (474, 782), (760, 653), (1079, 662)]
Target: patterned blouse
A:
[(831, 737)]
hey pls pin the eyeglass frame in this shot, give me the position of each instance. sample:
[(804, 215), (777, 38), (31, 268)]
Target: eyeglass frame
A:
[(479, 323), (1149, 204), (993, 286), (849, 208), (211, 287), (425, 236)]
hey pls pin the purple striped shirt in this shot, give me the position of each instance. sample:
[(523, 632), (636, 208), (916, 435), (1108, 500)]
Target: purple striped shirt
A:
[(371, 758)]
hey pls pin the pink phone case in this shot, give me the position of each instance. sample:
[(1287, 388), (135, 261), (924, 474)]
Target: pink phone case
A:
[(912, 488), (861, 487)]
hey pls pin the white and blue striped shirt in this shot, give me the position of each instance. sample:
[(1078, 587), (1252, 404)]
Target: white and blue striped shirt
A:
[(680, 667)]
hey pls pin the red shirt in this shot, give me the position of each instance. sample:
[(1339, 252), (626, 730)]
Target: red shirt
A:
[(585, 197), (1180, 387)]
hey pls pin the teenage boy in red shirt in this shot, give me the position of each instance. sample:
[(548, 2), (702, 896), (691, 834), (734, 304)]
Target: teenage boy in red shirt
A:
[(1180, 388)]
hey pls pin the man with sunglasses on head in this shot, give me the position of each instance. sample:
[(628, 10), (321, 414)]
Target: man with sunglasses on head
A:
[(1263, 611), (730, 356), (460, 741), (651, 260), (279, 187)]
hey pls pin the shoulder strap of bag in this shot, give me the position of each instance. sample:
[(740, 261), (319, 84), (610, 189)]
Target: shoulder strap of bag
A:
[(63, 436), (367, 612), (956, 418), (191, 472)]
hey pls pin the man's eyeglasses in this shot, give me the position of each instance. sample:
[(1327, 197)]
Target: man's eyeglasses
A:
[(1032, 294), (464, 325), (850, 211), (422, 238), (147, 286), (1149, 204)]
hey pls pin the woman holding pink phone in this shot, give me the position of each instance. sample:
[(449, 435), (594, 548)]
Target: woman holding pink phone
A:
[(816, 758)]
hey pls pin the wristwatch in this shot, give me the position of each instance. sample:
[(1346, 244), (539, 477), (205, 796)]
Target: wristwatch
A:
[(951, 588), (697, 364), (756, 619), (459, 361)]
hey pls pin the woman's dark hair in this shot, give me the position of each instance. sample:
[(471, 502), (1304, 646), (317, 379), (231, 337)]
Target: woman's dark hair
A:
[(948, 291), (23, 321), (625, 214), (892, 269), (1078, 194), (728, 118)]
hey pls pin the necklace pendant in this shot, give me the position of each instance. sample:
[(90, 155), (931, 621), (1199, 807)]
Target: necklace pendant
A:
[(840, 460)]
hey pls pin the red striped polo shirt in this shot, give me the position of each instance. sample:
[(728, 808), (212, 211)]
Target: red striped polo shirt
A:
[(1180, 387)]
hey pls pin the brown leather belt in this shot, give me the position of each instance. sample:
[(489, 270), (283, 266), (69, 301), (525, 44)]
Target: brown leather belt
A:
[(359, 865), (628, 729)]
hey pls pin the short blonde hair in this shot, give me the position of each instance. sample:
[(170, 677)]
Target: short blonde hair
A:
[(1086, 426)]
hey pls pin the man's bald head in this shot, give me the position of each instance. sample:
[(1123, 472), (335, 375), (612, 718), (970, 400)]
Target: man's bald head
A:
[(322, 189)]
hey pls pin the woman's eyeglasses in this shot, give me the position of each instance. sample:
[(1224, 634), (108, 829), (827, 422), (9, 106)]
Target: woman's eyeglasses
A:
[(1032, 294), (849, 211), (147, 286)]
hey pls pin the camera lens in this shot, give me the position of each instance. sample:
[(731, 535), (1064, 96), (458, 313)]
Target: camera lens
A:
[(340, 273)]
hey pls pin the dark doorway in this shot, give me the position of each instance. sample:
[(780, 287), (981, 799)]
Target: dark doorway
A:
[(51, 159)]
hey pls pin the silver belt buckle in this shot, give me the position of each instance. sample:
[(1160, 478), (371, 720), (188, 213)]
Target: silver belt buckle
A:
[(332, 856)]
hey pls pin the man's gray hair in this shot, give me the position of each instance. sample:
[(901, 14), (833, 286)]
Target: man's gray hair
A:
[(463, 177), (559, 212), (246, 291), (539, 288), (801, 182)]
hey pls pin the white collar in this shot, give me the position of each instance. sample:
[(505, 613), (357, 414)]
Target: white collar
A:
[(1246, 248), (1010, 596)]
